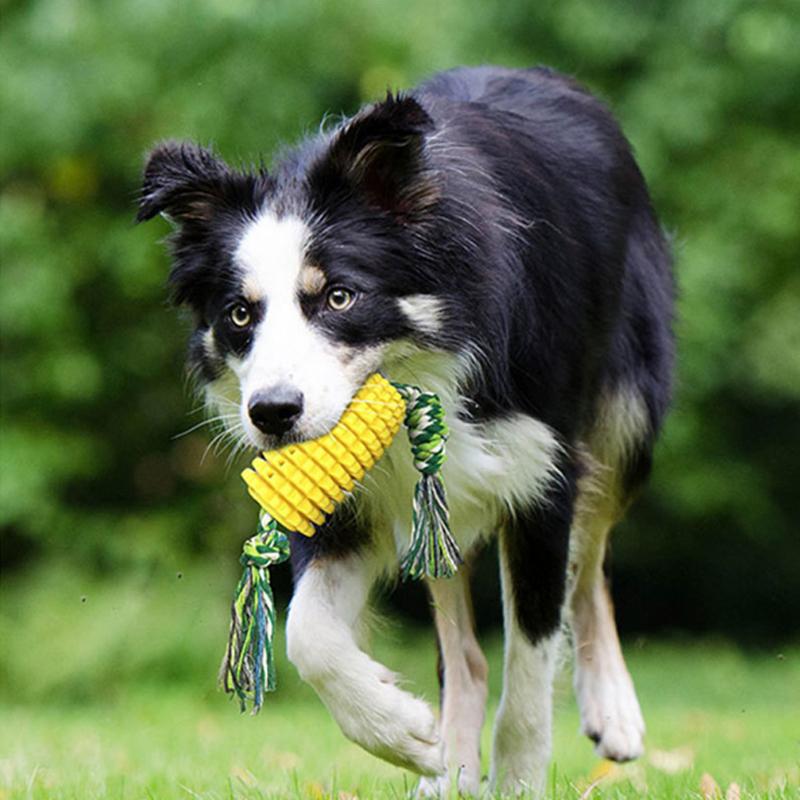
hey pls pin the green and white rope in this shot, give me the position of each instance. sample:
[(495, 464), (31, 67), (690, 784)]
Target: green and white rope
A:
[(248, 669), (433, 552)]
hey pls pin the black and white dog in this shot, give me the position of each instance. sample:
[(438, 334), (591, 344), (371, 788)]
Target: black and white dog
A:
[(487, 236)]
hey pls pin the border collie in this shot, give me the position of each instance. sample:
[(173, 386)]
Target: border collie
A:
[(489, 237)]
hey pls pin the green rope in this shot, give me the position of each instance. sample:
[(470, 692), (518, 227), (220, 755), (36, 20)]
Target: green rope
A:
[(433, 552), (248, 669)]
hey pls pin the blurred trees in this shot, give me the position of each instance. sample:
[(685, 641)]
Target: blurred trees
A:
[(92, 396)]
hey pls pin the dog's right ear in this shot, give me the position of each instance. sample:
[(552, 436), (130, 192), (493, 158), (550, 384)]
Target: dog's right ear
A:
[(182, 181)]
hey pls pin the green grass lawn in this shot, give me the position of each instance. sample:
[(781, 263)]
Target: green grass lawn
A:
[(111, 694)]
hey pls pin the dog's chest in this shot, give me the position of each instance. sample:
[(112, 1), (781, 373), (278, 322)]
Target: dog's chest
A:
[(492, 468)]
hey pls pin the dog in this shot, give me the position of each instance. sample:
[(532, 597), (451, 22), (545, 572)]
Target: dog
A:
[(487, 236)]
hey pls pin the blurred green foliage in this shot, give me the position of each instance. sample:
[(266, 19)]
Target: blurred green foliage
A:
[(92, 399)]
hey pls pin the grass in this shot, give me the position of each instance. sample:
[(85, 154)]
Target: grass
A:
[(107, 692)]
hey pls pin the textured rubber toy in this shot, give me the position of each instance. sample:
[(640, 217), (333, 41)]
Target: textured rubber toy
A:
[(298, 485)]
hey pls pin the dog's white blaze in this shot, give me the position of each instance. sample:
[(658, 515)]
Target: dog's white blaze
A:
[(423, 311), (287, 349), (271, 252)]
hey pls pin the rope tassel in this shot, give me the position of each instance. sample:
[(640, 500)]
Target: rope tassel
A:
[(248, 669), (433, 552)]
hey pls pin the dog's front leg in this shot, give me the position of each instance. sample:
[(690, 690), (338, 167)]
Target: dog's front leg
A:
[(362, 695), (533, 558)]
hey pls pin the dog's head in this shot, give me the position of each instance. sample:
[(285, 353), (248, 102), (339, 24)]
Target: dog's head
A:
[(301, 278)]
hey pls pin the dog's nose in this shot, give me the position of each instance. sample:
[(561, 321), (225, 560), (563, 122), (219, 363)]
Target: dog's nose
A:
[(276, 410)]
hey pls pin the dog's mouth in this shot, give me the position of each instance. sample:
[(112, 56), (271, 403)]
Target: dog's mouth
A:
[(302, 432), (321, 412), (276, 442)]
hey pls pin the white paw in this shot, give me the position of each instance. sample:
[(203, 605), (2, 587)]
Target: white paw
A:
[(519, 760), (437, 787), (610, 714), (511, 786), (386, 721), (410, 739), (468, 782)]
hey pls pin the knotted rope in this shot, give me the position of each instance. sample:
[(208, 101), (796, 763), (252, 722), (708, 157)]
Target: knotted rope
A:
[(433, 551)]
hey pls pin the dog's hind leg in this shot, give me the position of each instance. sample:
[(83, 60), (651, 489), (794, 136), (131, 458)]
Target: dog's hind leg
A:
[(361, 694), (610, 713), (463, 674)]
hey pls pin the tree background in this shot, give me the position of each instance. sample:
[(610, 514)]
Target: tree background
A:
[(94, 477)]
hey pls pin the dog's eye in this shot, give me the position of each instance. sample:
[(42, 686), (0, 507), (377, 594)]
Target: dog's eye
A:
[(340, 299), (239, 314)]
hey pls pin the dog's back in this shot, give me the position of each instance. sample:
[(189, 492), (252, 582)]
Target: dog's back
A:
[(580, 227)]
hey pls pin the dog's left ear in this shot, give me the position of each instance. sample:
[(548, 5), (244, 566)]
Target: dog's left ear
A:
[(380, 153), (184, 182)]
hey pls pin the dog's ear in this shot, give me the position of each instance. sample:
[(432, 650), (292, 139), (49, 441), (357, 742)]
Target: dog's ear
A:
[(183, 181), (381, 154)]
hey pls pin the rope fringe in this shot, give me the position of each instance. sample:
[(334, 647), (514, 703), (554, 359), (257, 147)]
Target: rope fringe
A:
[(248, 669)]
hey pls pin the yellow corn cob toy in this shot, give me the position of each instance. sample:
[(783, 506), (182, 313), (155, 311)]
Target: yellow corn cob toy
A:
[(298, 485)]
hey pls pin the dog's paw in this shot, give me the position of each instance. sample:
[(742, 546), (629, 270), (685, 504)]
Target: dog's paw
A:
[(468, 783), (386, 721), (508, 786), (409, 739), (434, 787), (611, 717)]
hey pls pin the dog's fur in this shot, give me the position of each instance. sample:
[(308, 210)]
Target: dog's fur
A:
[(499, 247)]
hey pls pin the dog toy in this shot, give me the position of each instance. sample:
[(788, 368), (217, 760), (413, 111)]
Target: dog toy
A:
[(298, 485)]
